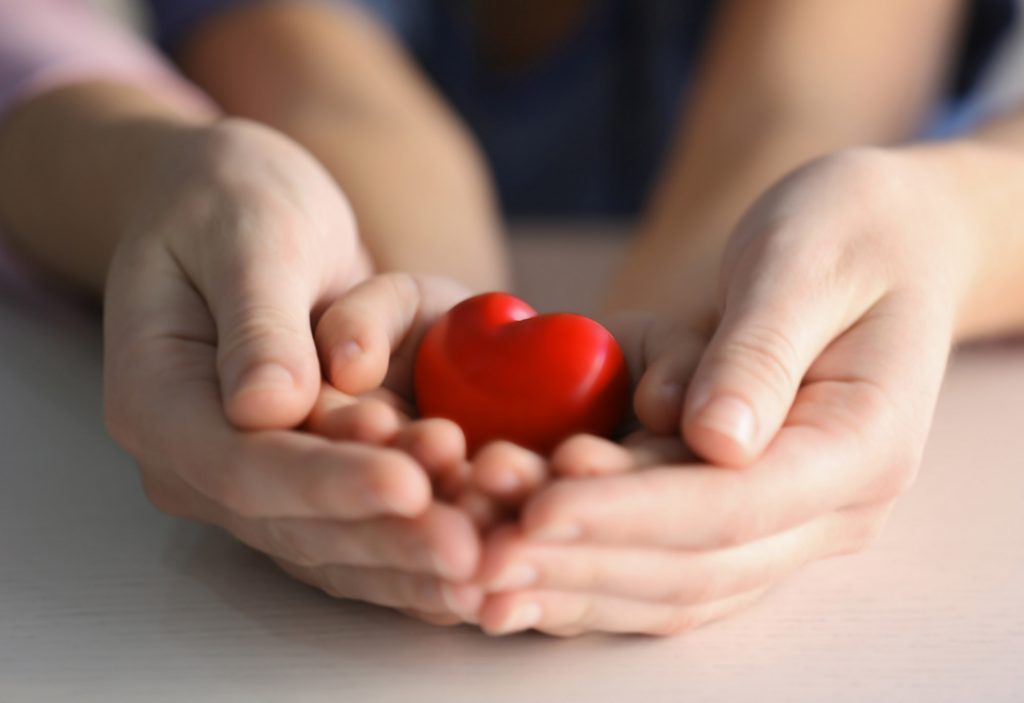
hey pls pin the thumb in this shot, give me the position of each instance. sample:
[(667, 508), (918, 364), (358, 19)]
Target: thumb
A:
[(266, 358), (749, 375), (372, 332)]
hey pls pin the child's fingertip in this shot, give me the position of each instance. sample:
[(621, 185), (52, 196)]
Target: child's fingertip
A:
[(500, 480), (508, 472), (587, 455), (437, 443), (401, 486), (368, 420), (357, 357), (658, 404), (342, 357)]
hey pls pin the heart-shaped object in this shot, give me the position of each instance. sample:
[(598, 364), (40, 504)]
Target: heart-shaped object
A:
[(500, 371)]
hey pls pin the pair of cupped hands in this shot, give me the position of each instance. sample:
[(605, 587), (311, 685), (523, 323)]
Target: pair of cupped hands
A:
[(262, 378)]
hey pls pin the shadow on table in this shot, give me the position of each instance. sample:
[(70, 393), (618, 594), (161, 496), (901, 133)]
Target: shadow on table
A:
[(251, 585)]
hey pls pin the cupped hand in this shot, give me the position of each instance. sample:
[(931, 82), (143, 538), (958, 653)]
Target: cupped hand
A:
[(210, 365), (841, 288)]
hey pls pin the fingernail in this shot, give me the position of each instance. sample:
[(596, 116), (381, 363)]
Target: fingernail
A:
[(268, 376), (345, 354), (523, 618), (349, 350), (671, 392), (557, 532), (730, 416), (515, 577), (506, 482), (462, 600)]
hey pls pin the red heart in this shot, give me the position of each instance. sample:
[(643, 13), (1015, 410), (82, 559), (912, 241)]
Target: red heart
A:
[(500, 371)]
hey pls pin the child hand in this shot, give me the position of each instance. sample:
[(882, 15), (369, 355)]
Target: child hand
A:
[(841, 290), (662, 353)]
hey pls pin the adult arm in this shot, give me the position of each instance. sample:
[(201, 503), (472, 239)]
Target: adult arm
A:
[(341, 85), (782, 83)]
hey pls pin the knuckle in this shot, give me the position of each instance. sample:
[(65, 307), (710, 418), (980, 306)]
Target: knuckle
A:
[(765, 354), (256, 325)]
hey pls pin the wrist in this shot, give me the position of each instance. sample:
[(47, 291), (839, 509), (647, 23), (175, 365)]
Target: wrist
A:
[(87, 147), (967, 181), (672, 275)]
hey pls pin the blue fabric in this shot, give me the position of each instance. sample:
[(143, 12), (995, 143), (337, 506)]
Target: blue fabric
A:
[(585, 131)]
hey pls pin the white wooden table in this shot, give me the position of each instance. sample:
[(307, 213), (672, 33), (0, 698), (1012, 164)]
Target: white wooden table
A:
[(103, 599)]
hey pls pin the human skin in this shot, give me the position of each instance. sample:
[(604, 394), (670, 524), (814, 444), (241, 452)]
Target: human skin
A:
[(844, 288), (217, 244), (500, 611), (781, 83), (335, 82), (746, 529)]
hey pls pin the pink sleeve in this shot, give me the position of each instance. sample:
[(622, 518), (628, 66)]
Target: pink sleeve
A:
[(48, 43), (45, 44)]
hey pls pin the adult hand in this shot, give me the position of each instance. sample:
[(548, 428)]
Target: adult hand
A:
[(841, 289), (239, 243)]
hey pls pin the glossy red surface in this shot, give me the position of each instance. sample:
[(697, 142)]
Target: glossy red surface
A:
[(500, 371)]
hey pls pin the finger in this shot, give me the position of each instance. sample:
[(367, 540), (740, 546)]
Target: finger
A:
[(672, 577), (283, 474), (441, 542), (163, 403), (845, 444), (341, 416), (260, 299), (507, 471), (571, 614), (360, 332), (671, 351), (587, 455), (630, 330), (439, 446), (777, 319), (393, 589), (272, 473)]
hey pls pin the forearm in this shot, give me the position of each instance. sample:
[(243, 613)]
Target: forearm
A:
[(332, 80), (673, 265), (782, 84), (980, 182), (72, 161)]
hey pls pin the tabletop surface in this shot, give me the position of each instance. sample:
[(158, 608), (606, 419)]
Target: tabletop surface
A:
[(104, 599)]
